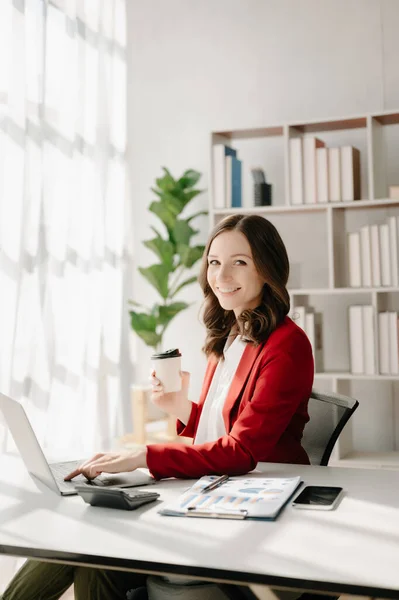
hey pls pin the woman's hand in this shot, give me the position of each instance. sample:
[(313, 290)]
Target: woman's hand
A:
[(176, 404), (115, 462)]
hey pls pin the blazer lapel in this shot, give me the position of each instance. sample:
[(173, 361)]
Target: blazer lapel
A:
[(248, 358)]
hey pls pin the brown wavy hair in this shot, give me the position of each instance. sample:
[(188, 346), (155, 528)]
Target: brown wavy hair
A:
[(271, 261)]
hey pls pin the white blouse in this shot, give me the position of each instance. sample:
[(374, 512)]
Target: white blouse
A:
[(211, 425), (210, 428)]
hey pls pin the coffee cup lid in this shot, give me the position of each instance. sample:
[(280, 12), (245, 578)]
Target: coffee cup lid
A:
[(167, 354)]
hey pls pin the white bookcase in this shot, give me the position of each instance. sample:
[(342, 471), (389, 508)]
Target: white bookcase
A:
[(316, 239)]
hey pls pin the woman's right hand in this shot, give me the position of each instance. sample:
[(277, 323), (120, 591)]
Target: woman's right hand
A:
[(173, 403)]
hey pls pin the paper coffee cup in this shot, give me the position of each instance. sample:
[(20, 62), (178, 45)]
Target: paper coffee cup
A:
[(167, 366)]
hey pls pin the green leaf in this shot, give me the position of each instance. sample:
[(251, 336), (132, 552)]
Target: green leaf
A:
[(155, 311), (169, 311), (164, 249), (189, 178), (182, 232), (174, 202), (189, 256), (134, 303), (142, 321), (197, 214), (162, 211), (157, 276), (157, 192), (150, 338), (183, 284), (167, 182), (190, 195), (145, 327), (156, 231), (185, 197)]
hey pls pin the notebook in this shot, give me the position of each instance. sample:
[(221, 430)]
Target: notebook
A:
[(248, 497)]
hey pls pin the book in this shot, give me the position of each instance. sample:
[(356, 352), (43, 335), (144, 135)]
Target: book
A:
[(350, 173), (313, 329), (334, 175), (310, 145), (385, 255), (322, 174), (375, 256), (296, 171), (245, 497), (393, 248), (356, 344), (368, 339), (365, 256), (393, 343), (233, 182), (220, 151), (355, 265), (383, 343)]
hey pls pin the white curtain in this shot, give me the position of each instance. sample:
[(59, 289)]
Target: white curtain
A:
[(64, 235), (64, 222)]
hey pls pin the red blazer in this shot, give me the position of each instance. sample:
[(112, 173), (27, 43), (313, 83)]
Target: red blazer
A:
[(265, 412)]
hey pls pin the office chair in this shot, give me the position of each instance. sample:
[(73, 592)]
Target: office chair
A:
[(329, 413)]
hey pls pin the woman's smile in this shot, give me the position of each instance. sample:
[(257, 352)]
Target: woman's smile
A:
[(227, 291)]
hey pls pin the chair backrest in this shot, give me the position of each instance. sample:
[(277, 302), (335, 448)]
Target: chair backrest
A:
[(329, 413)]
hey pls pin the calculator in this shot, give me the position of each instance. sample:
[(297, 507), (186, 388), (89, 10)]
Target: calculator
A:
[(115, 497)]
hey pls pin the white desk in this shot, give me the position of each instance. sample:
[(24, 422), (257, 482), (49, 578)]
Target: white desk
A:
[(353, 550)]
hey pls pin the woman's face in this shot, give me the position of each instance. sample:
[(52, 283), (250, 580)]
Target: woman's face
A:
[(232, 275)]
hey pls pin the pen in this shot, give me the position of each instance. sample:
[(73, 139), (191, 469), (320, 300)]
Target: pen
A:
[(214, 484)]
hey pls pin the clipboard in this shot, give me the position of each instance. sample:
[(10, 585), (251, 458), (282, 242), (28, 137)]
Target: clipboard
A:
[(248, 497)]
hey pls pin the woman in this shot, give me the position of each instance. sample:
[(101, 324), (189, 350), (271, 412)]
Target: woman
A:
[(253, 405)]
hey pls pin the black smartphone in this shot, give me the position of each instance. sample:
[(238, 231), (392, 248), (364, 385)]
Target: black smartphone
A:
[(319, 497), (115, 497)]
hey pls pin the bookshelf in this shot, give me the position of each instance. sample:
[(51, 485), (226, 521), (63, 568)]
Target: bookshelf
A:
[(316, 237)]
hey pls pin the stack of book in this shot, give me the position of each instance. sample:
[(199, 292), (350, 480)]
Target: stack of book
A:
[(373, 257), (311, 323), (320, 174), (362, 340), (227, 178)]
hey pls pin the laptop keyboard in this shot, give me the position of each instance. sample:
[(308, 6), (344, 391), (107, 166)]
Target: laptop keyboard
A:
[(60, 470)]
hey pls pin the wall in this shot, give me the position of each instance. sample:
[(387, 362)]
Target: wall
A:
[(194, 67)]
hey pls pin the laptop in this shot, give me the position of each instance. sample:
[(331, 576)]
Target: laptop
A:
[(52, 475)]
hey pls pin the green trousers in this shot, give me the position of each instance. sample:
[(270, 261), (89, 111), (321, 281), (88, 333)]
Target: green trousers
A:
[(48, 581)]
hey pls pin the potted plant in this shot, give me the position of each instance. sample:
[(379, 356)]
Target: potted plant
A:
[(175, 253), (175, 256)]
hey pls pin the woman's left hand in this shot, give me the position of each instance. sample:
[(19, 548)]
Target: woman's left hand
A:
[(112, 462)]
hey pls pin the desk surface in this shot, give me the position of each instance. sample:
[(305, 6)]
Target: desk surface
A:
[(354, 549)]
